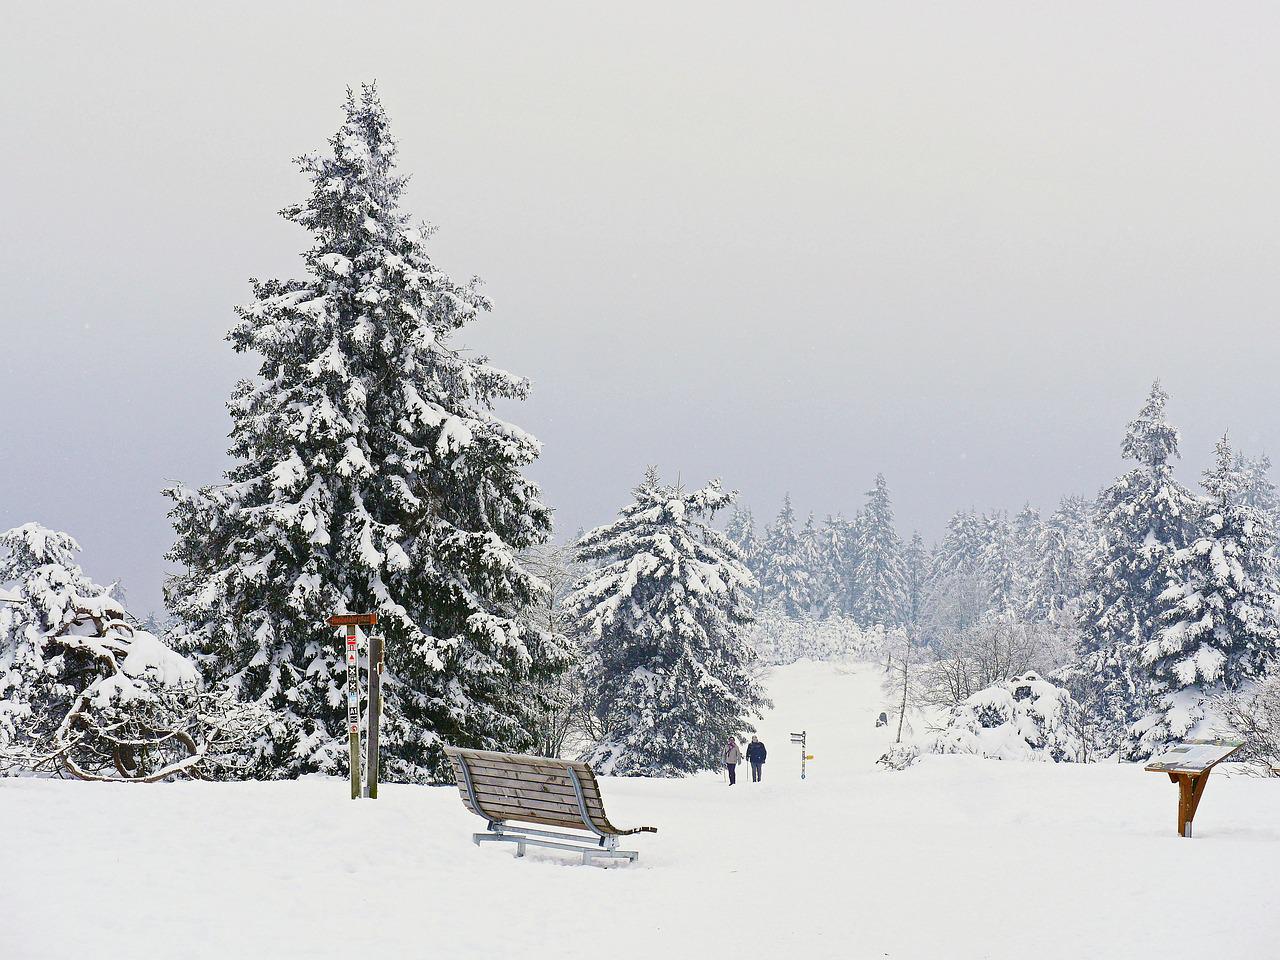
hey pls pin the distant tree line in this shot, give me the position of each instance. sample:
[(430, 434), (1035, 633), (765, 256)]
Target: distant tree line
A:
[(1150, 602)]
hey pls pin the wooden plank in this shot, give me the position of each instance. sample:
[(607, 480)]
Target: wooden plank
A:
[(516, 770), (516, 759), (549, 819), (517, 788), (564, 806), (536, 784), (482, 774), (541, 770)]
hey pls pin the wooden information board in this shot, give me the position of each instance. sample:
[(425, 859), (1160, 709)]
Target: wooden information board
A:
[(1189, 764)]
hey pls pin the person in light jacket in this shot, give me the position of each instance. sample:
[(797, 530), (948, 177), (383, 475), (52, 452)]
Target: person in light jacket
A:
[(755, 756), (732, 757)]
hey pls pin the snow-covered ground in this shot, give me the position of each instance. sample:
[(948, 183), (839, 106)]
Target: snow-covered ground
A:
[(955, 858)]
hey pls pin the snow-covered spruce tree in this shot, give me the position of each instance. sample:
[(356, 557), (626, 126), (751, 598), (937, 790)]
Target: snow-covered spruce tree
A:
[(962, 549), (557, 566), (369, 475), (85, 691), (1219, 626), (741, 529), (665, 616), (1026, 533), (840, 544), (1257, 490), (1067, 543), (879, 570), (1144, 518), (1000, 562), (915, 564), (785, 578), (979, 547), (822, 577)]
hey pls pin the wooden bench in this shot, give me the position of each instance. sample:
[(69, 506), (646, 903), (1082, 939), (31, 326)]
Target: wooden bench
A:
[(506, 788)]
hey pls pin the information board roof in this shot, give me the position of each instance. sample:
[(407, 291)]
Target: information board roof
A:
[(1193, 756)]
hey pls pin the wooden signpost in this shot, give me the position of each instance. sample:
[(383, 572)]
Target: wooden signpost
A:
[(1188, 765), (352, 622), (376, 647)]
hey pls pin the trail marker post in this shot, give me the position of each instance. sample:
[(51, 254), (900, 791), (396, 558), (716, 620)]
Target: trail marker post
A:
[(352, 623), (377, 644), (804, 755)]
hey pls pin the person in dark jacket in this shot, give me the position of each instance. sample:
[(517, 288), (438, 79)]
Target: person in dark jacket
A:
[(755, 756)]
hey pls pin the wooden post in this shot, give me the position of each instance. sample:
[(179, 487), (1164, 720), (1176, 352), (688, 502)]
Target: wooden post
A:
[(1190, 790), (352, 621), (376, 644), (353, 709)]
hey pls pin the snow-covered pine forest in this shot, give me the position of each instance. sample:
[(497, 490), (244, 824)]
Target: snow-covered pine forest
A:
[(1153, 607), (372, 472), (783, 473)]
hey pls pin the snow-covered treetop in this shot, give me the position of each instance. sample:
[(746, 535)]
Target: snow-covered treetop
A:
[(663, 536), (41, 564), (1223, 481), (1151, 439)]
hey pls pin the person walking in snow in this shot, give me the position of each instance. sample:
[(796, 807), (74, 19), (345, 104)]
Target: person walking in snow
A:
[(732, 757), (755, 756)]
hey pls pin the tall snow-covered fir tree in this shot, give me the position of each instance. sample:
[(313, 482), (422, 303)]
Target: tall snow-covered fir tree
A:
[(963, 548), (915, 564), (1219, 628), (1026, 534), (741, 529), (822, 577), (999, 561), (879, 570), (840, 536), (665, 616), (369, 474), (1257, 489), (784, 576), (1065, 546), (1144, 518)]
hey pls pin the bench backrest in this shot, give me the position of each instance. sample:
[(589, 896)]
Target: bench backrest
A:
[(513, 786)]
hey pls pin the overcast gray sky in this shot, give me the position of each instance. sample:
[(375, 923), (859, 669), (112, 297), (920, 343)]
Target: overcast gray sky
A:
[(790, 244)]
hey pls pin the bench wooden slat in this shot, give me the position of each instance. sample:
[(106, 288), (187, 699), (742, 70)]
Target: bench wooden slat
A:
[(487, 791), (542, 785), (485, 794), (523, 760), (565, 805), (524, 769), (543, 817), (514, 773)]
